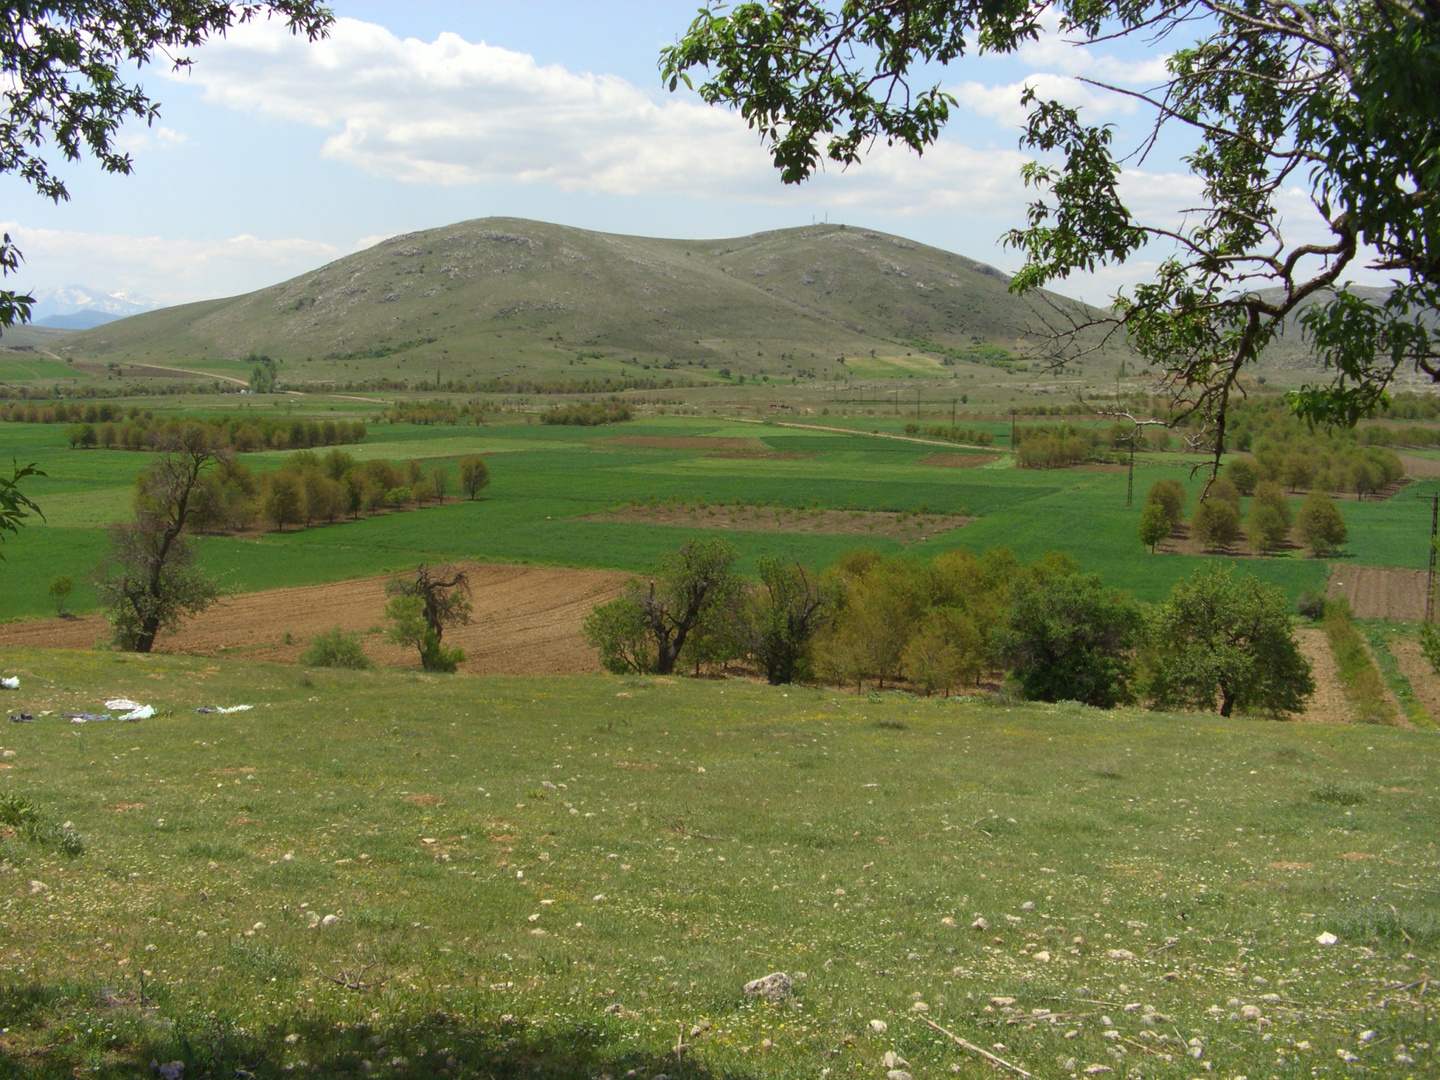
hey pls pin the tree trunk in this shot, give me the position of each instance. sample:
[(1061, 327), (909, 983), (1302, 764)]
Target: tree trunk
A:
[(145, 641), (1227, 701)]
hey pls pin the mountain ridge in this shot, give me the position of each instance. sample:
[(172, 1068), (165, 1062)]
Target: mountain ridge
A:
[(498, 297)]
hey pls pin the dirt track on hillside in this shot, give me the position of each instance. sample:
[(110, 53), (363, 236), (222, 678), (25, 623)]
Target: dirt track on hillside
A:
[(526, 621)]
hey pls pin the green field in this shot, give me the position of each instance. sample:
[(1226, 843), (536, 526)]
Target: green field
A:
[(561, 877), (546, 479)]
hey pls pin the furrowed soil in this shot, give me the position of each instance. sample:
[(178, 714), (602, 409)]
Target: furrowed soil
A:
[(906, 528), (1328, 705), (1379, 592), (526, 621), (1417, 669)]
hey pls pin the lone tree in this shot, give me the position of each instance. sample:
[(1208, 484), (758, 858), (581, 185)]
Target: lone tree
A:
[(66, 64), (646, 628), (1169, 495), (474, 475), (1338, 101), (1154, 525), (782, 616), (423, 606), (60, 589), (150, 581), (1071, 638), (1227, 640)]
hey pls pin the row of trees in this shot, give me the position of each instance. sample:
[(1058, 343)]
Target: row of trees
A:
[(310, 488), (1219, 641), (588, 414), (1218, 516), (241, 435)]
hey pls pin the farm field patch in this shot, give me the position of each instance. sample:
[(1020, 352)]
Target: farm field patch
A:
[(578, 874), (905, 528), (526, 621)]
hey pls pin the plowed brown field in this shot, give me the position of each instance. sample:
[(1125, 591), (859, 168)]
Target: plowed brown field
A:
[(526, 621), (1380, 592)]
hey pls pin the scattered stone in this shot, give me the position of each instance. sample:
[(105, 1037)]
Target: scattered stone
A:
[(172, 1070), (1002, 1002), (38, 887), (947, 921), (1096, 1070), (615, 1010), (329, 920), (980, 924), (892, 1060), (1250, 1012), (291, 1039), (1028, 905), (700, 1028), (1366, 1036), (879, 1027), (1327, 938), (1043, 956), (1120, 954), (898, 1074), (777, 986), (920, 1007)]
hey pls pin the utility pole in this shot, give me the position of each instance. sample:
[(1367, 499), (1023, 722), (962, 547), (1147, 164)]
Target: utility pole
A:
[(1012, 428), (1430, 577), (1130, 479), (917, 403), (953, 403)]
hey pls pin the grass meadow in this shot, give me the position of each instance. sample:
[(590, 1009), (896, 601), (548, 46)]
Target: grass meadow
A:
[(569, 877), (546, 480)]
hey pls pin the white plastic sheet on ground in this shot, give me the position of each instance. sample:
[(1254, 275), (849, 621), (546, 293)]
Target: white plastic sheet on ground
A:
[(12, 683)]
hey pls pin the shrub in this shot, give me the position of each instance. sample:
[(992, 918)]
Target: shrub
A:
[(1269, 526), (1311, 604), (335, 648), (1321, 525), (1070, 638)]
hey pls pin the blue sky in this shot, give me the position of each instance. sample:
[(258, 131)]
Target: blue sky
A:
[(272, 156)]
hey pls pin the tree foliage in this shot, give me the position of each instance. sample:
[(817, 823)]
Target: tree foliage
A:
[(474, 475), (150, 582), (782, 617), (421, 607), (1154, 525), (69, 86), (1321, 525), (1227, 639), (15, 505), (1337, 99), (1071, 638)]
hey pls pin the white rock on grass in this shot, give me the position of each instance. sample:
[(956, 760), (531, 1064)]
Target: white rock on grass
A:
[(1327, 938), (980, 924), (879, 1027), (898, 1074), (777, 986), (892, 1060)]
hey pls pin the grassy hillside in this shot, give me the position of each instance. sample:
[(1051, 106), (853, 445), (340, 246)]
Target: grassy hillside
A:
[(501, 297), (566, 877)]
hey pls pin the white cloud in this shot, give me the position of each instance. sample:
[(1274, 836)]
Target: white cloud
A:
[(1001, 102), (160, 137), (1052, 51), (170, 270), (451, 112)]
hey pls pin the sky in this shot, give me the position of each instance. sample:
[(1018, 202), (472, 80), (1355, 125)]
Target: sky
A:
[(273, 156)]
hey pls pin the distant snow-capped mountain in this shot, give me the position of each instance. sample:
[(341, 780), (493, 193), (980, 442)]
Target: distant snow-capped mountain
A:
[(79, 307)]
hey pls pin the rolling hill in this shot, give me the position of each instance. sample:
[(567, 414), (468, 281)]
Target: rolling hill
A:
[(508, 298)]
